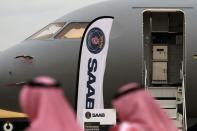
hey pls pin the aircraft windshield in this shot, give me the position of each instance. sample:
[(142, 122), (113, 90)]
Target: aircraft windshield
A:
[(48, 31), (73, 30)]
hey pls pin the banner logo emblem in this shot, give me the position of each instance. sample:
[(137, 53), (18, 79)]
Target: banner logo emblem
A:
[(95, 40), (88, 115)]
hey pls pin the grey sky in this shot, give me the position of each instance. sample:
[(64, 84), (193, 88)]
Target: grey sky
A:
[(20, 18)]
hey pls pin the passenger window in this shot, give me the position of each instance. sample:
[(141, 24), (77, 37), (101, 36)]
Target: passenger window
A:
[(72, 31), (48, 31)]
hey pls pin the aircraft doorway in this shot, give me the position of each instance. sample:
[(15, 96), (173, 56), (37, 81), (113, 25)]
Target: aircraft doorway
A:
[(164, 51), (163, 47)]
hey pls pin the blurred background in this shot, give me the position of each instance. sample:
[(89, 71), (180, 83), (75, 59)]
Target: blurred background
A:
[(21, 18)]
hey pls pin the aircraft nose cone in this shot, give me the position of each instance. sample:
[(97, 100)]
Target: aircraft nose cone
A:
[(8, 94), (1, 68), (5, 71)]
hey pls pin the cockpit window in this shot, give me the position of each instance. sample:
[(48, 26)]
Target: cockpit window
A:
[(73, 31), (48, 31)]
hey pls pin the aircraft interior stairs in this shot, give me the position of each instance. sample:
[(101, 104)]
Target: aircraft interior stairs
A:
[(170, 98)]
